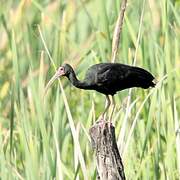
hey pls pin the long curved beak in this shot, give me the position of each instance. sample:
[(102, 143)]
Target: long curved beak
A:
[(56, 76)]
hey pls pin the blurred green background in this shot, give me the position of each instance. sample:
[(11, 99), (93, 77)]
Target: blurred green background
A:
[(49, 139)]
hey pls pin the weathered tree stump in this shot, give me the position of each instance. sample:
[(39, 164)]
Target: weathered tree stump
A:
[(109, 163)]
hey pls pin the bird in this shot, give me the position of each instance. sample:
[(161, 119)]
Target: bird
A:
[(108, 79)]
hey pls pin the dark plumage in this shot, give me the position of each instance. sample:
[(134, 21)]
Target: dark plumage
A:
[(107, 78)]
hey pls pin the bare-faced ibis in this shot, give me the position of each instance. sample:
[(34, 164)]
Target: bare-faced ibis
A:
[(107, 78)]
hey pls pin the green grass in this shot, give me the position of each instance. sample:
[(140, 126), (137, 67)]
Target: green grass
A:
[(49, 139)]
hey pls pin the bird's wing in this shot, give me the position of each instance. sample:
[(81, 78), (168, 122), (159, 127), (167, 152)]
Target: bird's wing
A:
[(95, 73), (124, 76), (114, 76), (110, 75)]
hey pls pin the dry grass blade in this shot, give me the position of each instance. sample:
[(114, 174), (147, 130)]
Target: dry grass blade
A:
[(71, 123), (177, 129), (139, 33), (15, 172), (59, 166), (74, 133), (134, 123), (125, 121), (117, 31)]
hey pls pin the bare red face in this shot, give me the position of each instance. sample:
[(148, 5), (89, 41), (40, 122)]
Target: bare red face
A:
[(61, 71)]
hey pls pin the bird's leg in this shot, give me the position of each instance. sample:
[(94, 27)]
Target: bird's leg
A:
[(112, 111), (102, 117), (108, 102)]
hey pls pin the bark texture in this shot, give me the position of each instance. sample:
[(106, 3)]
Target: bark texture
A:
[(109, 163)]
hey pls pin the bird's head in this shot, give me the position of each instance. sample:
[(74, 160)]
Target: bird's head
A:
[(64, 70)]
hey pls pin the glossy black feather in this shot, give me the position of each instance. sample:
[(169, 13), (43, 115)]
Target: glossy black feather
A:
[(108, 78)]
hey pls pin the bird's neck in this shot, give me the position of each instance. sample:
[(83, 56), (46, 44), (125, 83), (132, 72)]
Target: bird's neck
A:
[(79, 84)]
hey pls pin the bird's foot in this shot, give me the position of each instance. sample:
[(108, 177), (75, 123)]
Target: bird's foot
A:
[(110, 124), (101, 121), (110, 121), (101, 118)]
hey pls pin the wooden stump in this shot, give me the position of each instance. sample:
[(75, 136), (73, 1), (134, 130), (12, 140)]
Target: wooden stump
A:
[(109, 163)]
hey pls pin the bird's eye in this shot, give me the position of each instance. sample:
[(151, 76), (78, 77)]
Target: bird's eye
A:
[(61, 69)]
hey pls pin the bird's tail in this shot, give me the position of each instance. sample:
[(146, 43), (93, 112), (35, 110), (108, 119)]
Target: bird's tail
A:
[(154, 81), (143, 78)]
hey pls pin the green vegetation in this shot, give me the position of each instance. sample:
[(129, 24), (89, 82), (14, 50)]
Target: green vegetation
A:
[(49, 140)]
